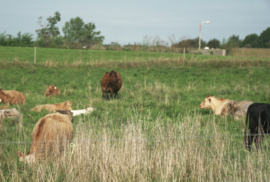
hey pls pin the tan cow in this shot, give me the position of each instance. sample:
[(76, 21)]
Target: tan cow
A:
[(51, 135), (53, 107), (17, 97), (52, 90), (239, 108), (219, 106), (5, 98)]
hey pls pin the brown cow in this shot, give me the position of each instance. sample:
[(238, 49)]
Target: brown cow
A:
[(53, 107), (111, 83), (51, 136), (5, 98), (52, 90), (17, 97)]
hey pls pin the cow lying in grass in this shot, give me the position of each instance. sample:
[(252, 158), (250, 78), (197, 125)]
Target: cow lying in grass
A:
[(52, 90), (238, 108), (218, 106), (9, 97), (53, 107), (51, 136)]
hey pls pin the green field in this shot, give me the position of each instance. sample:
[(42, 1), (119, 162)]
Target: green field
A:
[(154, 131)]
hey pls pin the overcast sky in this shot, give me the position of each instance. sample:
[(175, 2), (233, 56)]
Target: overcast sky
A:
[(129, 21)]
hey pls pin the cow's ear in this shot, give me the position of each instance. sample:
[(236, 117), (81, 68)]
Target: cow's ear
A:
[(209, 100)]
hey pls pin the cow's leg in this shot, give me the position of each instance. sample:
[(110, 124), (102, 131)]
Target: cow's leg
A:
[(249, 139), (258, 141), (111, 95), (115, 95)]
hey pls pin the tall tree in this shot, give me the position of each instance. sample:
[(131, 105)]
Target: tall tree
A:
[(264, 39), (77, 31), (250, 40), (234, 41), (48, 29), (213, 43)]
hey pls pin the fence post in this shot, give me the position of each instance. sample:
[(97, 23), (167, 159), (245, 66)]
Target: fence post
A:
[(184, 53), (35, 55)]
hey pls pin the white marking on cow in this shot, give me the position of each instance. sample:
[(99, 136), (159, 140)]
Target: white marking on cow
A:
[(0, 100), (54, 87)]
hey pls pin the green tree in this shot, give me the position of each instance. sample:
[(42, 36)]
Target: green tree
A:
[(250, 40), (213, 43), (48, 29), (264, 39), (77, 31), (234, 41)]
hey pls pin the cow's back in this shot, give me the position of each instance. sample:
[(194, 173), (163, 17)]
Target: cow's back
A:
[(51, 133), (18, 97)]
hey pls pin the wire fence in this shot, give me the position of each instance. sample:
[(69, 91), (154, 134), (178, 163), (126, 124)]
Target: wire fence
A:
[(136, 139)]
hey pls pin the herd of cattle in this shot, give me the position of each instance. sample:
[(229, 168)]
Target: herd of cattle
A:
[(53, 132), (257, 116)]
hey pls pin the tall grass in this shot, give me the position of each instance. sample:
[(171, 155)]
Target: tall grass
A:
[(174, 150)]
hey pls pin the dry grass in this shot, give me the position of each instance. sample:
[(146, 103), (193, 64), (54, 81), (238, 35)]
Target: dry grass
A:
[(173, 151), (252, 52)]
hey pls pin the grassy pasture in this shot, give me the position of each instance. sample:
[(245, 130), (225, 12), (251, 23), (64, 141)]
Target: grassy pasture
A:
[(155, 131)]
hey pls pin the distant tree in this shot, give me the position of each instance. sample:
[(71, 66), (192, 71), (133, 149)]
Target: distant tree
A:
[(234, 41), (250, 40), (22, 40), (213, 43), (48, 29), (264, 39), (190, 43), (77, 31)]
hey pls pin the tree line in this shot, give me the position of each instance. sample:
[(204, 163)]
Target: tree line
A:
[(78, 34)]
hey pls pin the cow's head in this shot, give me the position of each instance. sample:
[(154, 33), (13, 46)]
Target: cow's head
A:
[(50, 90), (206, 103), (29, 159), (68, 105), (113, 77), (5, 98)]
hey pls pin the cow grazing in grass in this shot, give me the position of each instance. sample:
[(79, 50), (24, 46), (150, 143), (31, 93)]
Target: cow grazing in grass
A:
[(50, 137), (238, 108), (52, 90), (219, 106), (16, 97), (111, 83), (53, 107), (257, 123)]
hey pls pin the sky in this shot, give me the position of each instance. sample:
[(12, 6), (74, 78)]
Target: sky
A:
[(129, 21)]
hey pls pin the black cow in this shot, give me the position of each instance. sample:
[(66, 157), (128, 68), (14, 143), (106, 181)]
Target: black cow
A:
[(257, 123)]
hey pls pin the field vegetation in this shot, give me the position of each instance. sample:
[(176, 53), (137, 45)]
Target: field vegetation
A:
[(154, 131)]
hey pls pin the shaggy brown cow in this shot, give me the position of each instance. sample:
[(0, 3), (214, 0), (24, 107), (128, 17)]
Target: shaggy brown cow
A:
[(16, 97), (238, 108), (5, 98), (111, 83), (52, 90), (51, 136), (53, 107)]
